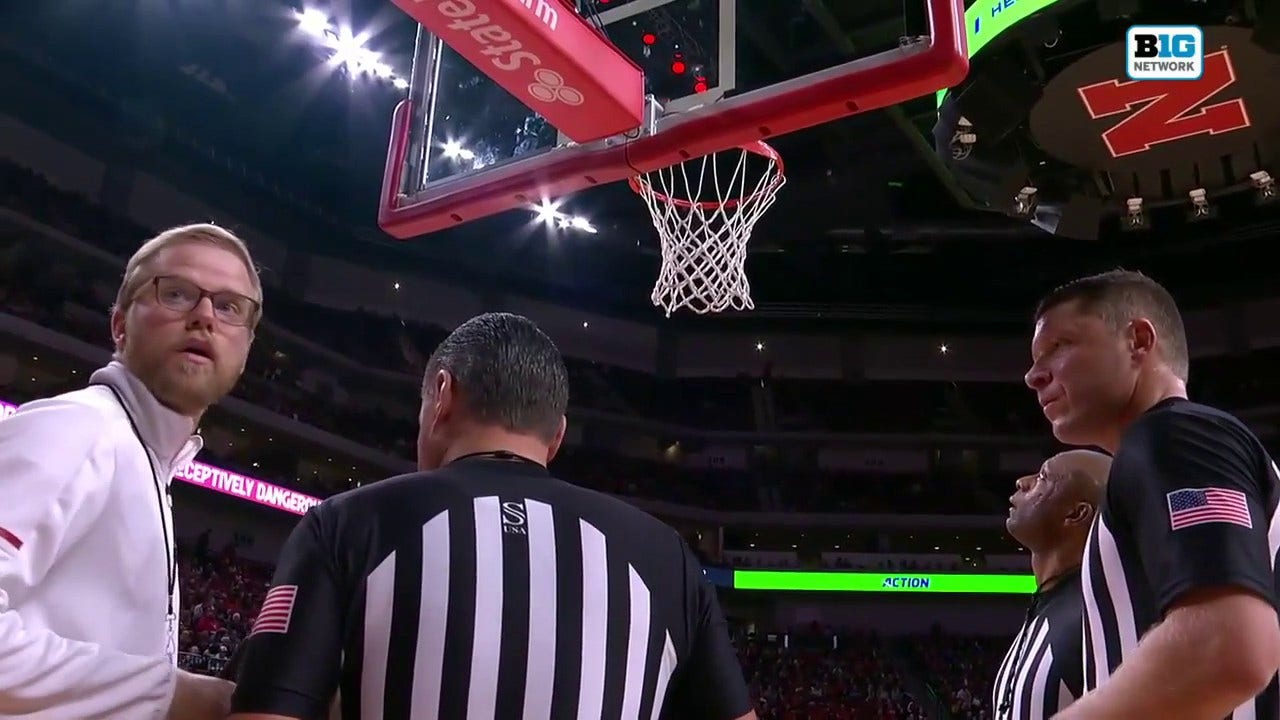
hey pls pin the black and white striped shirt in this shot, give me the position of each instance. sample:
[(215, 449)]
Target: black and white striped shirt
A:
[(1191, 503), (488, 590), (1041, 674)]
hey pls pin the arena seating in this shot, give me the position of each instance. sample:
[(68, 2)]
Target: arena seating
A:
[(60, 290), (807, 678), (221, 594), (960, 670), (811, 680)]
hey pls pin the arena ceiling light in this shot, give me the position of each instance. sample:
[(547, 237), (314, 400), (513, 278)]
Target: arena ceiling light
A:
[(454, 150), (346, 49), (1265, 185), (312, 22), (549, 212), (1201, 209), (1134, 218), (1026, 201)]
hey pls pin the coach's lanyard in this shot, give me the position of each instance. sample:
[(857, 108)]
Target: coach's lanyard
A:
[(171, 567), (1023, 646)]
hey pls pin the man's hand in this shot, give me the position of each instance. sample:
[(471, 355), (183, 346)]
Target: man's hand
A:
[(1214, 650), (199, 697)]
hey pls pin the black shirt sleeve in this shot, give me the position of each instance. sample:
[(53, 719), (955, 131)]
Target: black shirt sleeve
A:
[(292, 668), (1192, 490), (707, 684)]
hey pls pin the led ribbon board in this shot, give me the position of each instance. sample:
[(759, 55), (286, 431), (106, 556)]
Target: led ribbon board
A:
[(866, 582), (985, 20)]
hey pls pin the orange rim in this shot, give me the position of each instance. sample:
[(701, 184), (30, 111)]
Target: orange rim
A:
[(757, 147)]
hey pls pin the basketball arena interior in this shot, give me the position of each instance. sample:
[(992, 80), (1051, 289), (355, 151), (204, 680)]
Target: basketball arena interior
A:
[(839, 444)]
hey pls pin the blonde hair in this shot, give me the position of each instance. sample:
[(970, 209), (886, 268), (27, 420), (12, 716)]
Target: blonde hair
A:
[(135, 272)]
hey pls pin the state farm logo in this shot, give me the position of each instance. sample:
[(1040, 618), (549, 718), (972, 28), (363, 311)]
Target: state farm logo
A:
[(505, 51), (548, 86)]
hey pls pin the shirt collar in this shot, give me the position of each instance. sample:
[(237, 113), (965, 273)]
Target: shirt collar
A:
[(168, 434)]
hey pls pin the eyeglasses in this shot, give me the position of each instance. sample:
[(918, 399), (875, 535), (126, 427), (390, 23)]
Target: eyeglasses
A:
[(183, 296)]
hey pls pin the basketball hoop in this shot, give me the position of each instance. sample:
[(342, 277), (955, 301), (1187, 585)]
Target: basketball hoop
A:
[(704, 242)]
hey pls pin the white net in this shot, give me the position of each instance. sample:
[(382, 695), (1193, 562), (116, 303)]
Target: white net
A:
[(704, 240)]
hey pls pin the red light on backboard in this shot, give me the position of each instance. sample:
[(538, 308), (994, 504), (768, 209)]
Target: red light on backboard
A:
[(678, 67), (409, 208), (649, 38), (700, 86)]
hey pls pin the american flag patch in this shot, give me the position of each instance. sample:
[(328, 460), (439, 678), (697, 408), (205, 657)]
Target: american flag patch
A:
[(10, 539), (277, 609), (1196, 506)]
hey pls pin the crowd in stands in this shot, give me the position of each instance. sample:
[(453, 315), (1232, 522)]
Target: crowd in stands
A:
[(960, 670), (307, 356), (807, 676), (810, 677), (221, 594)]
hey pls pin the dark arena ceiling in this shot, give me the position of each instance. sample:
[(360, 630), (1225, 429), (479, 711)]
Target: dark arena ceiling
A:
[(228, 99)]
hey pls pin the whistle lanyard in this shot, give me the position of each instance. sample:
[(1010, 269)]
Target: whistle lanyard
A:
[(1022, 648), (171, 565)]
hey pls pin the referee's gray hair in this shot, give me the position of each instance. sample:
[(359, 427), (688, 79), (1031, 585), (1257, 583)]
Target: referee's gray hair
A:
[(508, 373)]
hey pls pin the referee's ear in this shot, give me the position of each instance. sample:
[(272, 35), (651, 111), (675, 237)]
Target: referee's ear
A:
[(1081, 515)]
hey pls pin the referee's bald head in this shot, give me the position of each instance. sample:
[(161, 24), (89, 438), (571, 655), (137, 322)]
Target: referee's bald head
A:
[(1084, 473), (496, 379), (1058, 503)]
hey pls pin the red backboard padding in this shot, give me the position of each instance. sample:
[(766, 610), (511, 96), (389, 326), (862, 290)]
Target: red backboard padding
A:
[(547, 56), (862, 85)]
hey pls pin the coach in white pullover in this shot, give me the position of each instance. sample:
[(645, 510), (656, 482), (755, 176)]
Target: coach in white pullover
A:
[(88, 579)]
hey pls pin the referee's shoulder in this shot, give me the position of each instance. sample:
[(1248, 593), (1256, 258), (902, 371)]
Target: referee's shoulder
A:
[(450, 486), (1191, 421), (383, 492), (594, 502)]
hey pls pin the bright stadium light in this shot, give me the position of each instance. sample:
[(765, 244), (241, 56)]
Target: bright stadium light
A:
[(347, 50), (547, 211), (453, 150), (313, 22), (581, 223)]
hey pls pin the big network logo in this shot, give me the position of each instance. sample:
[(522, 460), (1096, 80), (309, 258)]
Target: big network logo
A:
[(1164, 52)]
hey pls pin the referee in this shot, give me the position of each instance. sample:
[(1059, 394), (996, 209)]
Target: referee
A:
[(482, 587), (1182, 554), (1050, 514)]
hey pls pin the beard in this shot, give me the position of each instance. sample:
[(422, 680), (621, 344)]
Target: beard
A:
[(184, 386)]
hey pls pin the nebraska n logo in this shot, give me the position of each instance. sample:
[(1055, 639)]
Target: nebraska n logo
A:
[(1174, 109)]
